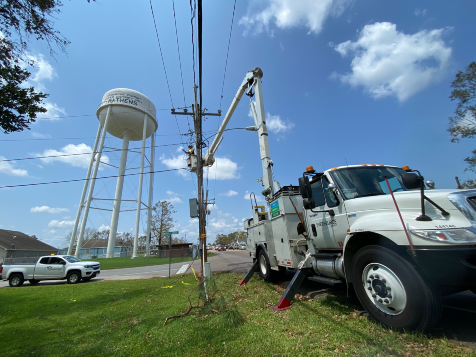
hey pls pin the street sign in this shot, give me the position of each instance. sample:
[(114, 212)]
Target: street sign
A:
[(203, 236), (171, 232)]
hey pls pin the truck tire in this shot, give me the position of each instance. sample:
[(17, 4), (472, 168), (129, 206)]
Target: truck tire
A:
[(392, 291), (16, 280), (73, 277), (33, 281), (265, 270), (263, 265)]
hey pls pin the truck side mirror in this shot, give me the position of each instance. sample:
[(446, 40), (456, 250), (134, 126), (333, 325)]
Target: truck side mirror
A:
[(411, 180), (308, 203), (332, 187), (304, 187), (62, 262)]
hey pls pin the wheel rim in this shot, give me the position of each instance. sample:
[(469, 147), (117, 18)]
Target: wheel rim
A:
[(15, 280), (384, 289), (73, 278), (262, 264)]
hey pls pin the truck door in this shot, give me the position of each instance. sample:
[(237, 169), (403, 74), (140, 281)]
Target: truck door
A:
[(327, 231), (55, 268), (40, 268)]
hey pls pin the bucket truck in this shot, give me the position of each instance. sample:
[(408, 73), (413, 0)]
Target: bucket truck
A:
[(400, 243)]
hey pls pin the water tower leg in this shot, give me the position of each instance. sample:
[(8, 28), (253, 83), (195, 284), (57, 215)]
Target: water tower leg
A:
[(139, 191), (111, 243), (83, 195), (151, 193), (91, 185)]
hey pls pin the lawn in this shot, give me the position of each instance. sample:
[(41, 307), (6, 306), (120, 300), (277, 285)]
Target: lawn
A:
[(127, 262), (126, 318)]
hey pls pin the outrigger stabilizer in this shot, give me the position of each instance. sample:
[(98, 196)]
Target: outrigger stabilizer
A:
[(288, 295)]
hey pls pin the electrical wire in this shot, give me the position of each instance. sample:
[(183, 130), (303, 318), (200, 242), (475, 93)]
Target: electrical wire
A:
[(96, 178), (192, 10), (227, 52)]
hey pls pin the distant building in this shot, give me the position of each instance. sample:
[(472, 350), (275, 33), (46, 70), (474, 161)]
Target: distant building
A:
[(14, 244), (96, 248), (178, 250)]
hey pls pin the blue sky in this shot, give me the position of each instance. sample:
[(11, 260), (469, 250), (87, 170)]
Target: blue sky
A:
[(344, 82)]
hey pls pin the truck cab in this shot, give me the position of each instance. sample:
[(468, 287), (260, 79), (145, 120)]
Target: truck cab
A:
[(398, 241)]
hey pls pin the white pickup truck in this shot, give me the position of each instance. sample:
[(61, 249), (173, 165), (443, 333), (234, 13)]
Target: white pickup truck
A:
[(57, 267)]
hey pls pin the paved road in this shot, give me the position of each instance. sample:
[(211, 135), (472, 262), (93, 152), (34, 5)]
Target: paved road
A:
[(232, 260), (457, 322)]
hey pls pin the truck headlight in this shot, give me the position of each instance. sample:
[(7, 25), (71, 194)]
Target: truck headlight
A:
[(447, 235), (88, 266)]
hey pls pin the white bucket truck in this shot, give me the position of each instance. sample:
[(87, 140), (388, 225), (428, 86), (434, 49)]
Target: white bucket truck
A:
[(398, 241)]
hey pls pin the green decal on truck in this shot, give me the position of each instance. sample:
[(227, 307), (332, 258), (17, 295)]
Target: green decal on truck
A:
[(275, 209)]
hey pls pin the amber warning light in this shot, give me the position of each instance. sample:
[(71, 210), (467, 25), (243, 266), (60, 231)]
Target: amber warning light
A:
[(309, 168)]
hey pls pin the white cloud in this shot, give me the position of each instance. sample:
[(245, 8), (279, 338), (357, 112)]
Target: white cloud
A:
[(258, 197), (171, 193), (173, 200), (230, 193), (420, 12), (286, 14), (223, 169), (41, 72), (6, 167), (276, 125), (46, 209), (74, 159), (40, 136), (61, 224), (390, 63), (103, 227), (53, 111), (176, 162)]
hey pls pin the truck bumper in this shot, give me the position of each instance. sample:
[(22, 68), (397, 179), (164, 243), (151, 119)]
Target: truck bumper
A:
[(456, 266)]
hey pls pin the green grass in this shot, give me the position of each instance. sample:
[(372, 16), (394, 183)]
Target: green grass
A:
[(127, 262), (125, 318)]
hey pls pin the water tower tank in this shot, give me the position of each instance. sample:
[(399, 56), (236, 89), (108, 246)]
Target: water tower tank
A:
[(128, 108)]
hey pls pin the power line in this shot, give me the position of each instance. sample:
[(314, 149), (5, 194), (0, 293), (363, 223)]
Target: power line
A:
[(161, 55), (96, 178), (192, 10), (227, 52), (84, 153), (178, 50)]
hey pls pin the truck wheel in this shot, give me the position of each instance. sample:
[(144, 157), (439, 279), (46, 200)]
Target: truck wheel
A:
[(73, 277), (392, 291), (16, 280), (33, 281), (264, 266)]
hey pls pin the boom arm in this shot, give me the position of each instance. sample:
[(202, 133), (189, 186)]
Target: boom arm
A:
[(252, 79)]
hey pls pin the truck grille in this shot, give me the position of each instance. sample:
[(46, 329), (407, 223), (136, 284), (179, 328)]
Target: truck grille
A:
[(96, 267)]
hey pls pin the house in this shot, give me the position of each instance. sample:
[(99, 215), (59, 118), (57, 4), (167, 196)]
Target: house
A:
[(14, 244), (178, 250), (97, 248)]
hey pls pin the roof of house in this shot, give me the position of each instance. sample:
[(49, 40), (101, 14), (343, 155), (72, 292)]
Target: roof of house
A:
[(18, 240)]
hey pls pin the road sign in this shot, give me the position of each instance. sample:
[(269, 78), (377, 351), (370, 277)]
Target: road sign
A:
[(203, 236), (171, 232)]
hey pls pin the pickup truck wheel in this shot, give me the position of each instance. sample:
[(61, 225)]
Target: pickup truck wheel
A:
[(33, 281), (73, 277), (264, 267), (16, 280), (392, 291)]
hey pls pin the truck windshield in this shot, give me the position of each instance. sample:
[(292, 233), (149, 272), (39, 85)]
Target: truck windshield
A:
[(71, 259), (368, 181)]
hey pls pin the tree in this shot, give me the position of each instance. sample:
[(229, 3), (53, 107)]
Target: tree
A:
[(463, 124), (19, 104), (89, 233), (161, 221)]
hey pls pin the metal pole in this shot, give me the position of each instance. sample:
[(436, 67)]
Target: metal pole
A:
[(111, 243), (91, 185), (83, 195), (151, 193), (139, 191), (170, 252)]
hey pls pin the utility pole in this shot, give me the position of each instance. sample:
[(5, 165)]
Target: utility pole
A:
[(197, 114)]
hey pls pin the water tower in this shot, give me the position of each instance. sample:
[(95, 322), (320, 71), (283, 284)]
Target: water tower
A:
[(130, 116)]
